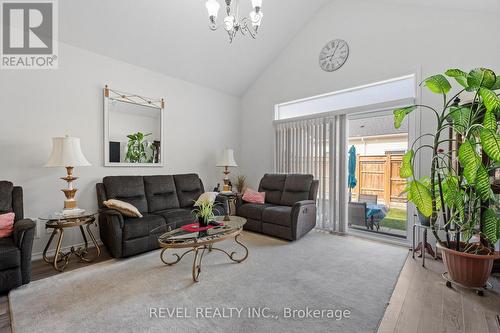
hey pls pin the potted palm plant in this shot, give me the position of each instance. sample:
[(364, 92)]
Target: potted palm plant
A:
[(458, 197)]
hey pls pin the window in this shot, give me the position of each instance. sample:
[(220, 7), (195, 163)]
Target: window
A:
[(402, 89)]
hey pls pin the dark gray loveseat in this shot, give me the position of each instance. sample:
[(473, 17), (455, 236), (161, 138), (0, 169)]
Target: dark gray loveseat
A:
[(164, 201), (289, 210), (15, 251)]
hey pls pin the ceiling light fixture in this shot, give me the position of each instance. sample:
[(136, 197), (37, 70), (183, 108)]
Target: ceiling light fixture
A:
[(233, 22)]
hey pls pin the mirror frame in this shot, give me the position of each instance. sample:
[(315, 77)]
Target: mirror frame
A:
[(114, 95)]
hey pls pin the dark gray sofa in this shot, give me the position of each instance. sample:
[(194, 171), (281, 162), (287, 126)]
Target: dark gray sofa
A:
[(289, 211), (165, 202), (15, 251)]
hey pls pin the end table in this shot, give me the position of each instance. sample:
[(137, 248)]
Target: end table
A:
[(232, 198), (58, 224)]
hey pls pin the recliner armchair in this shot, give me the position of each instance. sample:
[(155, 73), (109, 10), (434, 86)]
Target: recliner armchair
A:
[(15, 251), (289, 211)]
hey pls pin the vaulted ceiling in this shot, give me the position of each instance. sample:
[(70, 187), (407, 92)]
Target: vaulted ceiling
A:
[(172, 37)]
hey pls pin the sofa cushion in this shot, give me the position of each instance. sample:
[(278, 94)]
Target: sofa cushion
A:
[(297, 188), (280, 215), (189, 188), (252, 210), (273, 185), (176, 218), (127, 188), (160, 192), (6, 224), (136, 227), (253, 225), (123, 207), (10, 255), (6, 196), (254, 196)]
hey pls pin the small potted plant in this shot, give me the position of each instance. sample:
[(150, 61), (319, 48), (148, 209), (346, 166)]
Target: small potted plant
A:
[(458, 196), (204, 211)]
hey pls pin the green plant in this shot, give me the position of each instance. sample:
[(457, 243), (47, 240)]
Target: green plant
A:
[(241, 183), (205, 210), (136, 148), (459, 186)]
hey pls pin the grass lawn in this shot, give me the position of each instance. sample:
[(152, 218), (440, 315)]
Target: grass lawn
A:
[(395, 219)]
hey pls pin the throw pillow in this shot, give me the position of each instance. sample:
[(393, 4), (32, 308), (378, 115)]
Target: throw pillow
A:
[(206, 197), (6, 224), (253, 196), (123, 207)]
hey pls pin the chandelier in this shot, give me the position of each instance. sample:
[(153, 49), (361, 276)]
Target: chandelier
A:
[(233, 22)]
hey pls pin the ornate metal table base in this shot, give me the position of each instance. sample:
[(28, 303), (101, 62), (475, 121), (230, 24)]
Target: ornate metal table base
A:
[(81, 252), (199, 252)]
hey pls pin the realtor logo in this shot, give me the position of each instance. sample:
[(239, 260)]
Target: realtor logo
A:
[(29, 34)]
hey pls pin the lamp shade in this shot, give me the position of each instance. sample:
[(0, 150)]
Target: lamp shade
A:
[(256, 3), (212, 8), (66, 152), (227, 159)]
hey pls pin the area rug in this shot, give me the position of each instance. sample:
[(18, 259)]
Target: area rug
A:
[(321, 283)]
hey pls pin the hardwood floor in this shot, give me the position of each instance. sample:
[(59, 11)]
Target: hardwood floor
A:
[(40, 270), (421, 302)]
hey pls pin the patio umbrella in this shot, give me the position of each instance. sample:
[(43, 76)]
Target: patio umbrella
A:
[(351, 180)]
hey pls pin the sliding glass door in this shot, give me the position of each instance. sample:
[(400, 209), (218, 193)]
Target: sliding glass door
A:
[(377, 200), (357, 160)]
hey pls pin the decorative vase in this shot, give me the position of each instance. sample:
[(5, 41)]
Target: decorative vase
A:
[(467, 269), (202, 222)]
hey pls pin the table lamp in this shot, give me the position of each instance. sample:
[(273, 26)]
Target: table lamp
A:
[(66, 152), (226, 162)]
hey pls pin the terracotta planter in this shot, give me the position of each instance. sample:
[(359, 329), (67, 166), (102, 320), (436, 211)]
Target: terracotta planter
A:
[(469, 270)]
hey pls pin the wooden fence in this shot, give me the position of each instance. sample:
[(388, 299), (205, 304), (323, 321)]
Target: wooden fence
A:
[(379, 175)]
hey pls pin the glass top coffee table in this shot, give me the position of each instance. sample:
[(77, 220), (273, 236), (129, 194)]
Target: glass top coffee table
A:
[(200, 242)]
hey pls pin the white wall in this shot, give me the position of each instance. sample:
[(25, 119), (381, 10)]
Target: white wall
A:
[(386, 40), (38, 105)]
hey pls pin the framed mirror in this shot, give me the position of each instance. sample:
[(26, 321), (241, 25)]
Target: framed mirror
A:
[(133, 130)]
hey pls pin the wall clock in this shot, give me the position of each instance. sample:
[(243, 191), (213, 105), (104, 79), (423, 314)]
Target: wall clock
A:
[(333, 55)]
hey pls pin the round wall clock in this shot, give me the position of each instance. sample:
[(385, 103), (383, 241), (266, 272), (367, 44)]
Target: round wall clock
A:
[(333, 55)]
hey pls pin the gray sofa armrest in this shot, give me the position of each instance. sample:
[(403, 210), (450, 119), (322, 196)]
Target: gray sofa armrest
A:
[(113, 213), (24, 233), (303, 218), (21, 227), (111, 230)]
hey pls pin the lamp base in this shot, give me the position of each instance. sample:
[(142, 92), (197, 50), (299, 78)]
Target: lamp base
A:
[(72, 212), (70, 203), (70, 192)]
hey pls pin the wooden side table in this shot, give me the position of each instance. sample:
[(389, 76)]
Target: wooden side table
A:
[(58, 224)]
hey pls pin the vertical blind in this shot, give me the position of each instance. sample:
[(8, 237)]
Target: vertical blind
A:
[(312, 146)]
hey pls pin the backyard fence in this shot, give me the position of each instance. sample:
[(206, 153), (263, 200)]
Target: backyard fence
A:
[(379, 175)]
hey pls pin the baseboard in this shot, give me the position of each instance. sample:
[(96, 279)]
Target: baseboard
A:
[(39, 255)]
